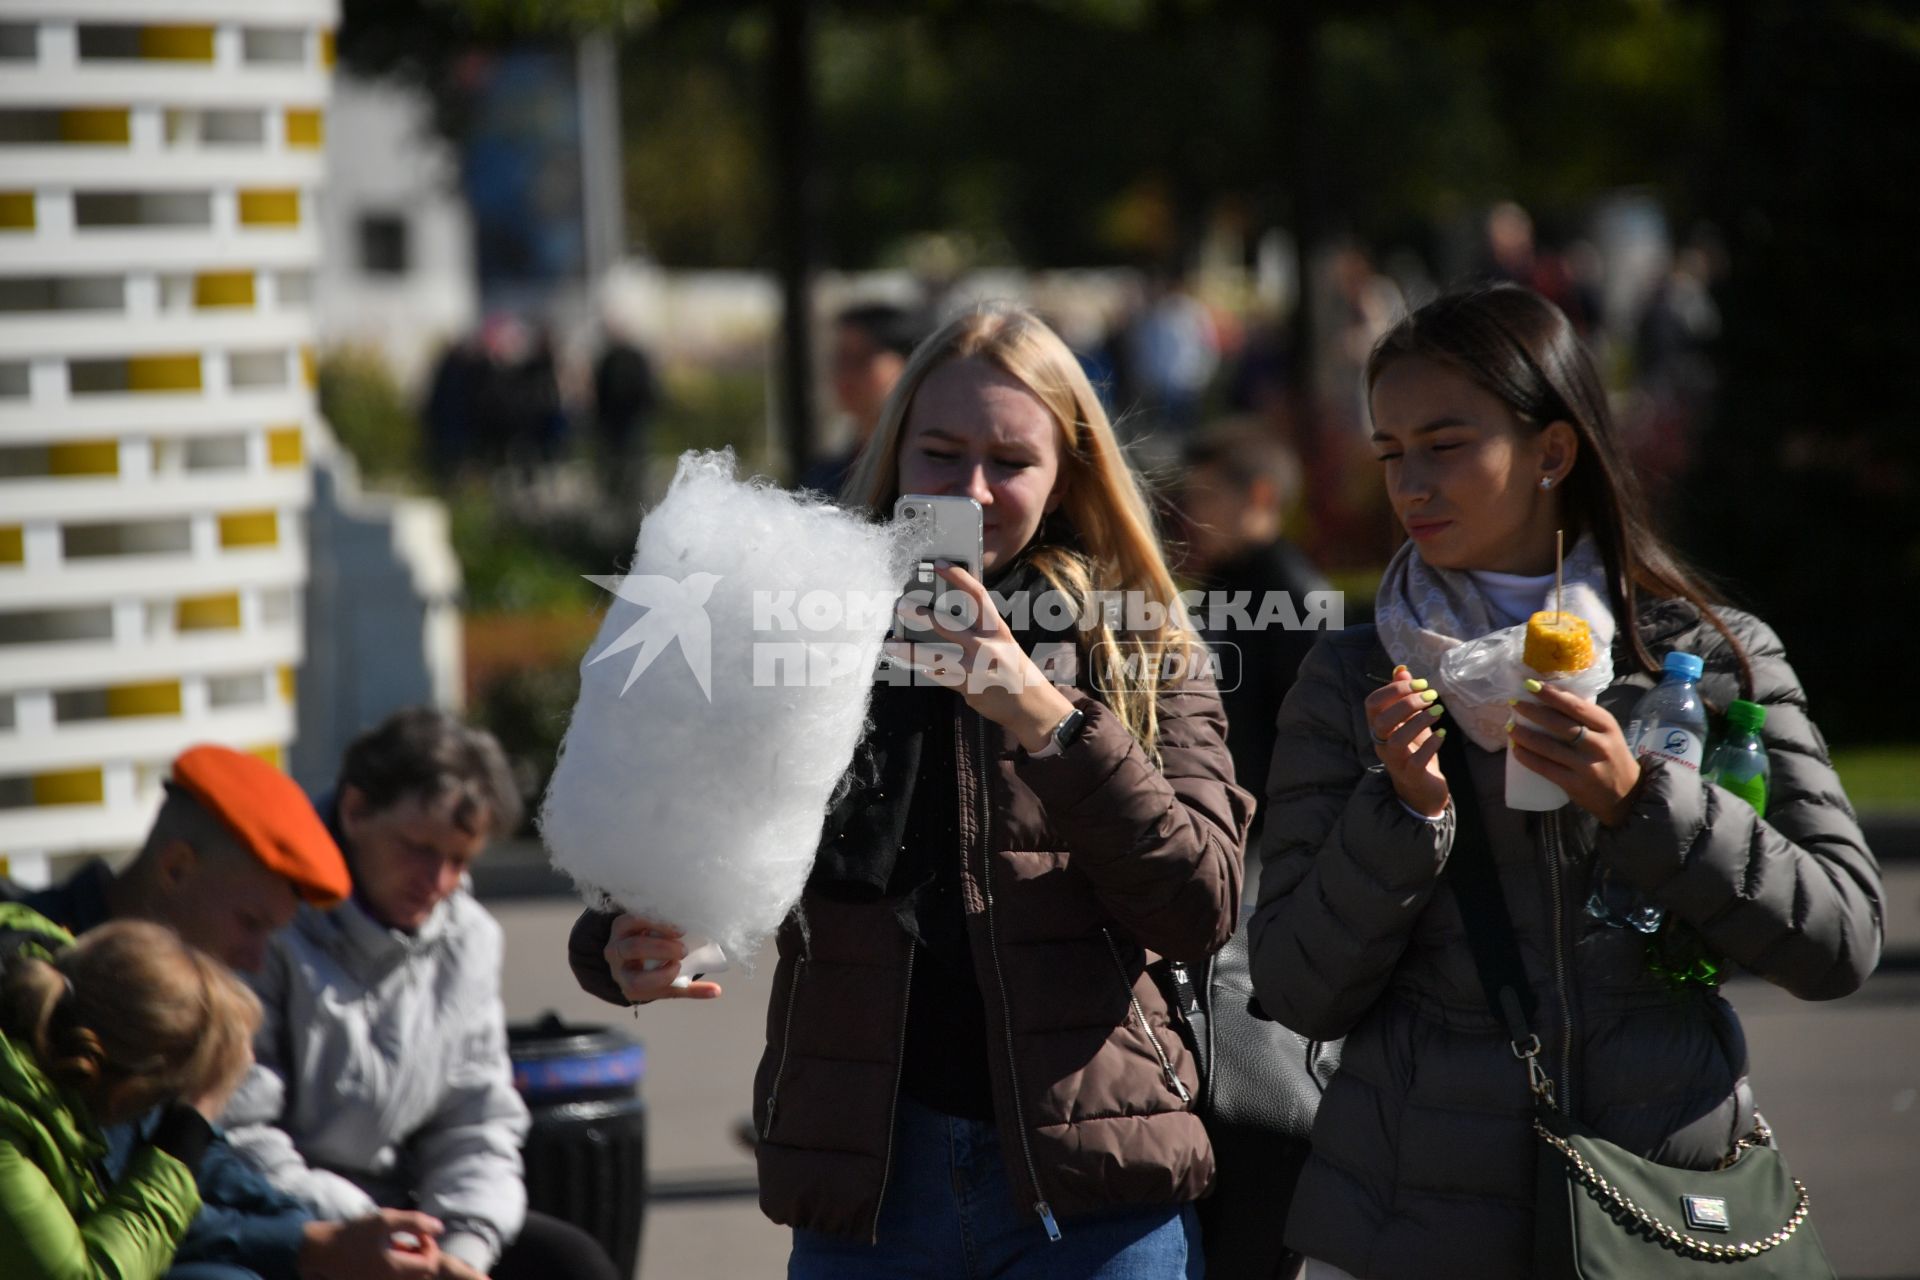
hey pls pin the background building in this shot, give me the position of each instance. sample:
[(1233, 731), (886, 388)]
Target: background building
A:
[(160, 167)]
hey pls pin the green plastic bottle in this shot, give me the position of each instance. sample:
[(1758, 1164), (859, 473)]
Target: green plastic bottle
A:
[(1739, 764)]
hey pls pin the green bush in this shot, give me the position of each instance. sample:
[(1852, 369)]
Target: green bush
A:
[(527, 711), (511, 566), (710, 408), (371, 417)]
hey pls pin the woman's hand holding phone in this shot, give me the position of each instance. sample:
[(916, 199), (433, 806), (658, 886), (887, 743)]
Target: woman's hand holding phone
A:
[(990, 671)]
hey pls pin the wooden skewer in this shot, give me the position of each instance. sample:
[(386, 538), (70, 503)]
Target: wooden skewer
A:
[(1559, 546)]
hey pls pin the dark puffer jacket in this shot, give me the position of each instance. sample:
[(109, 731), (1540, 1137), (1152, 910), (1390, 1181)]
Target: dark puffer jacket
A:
[(1423, 1157), (1071, 868)]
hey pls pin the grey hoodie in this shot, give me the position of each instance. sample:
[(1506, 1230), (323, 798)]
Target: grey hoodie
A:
[(382, 1074)]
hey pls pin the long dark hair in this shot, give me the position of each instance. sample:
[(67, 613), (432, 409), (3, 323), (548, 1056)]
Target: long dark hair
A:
[(1520, 347)]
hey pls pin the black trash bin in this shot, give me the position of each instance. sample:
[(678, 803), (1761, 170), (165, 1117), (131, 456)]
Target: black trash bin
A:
[(586, 1154)]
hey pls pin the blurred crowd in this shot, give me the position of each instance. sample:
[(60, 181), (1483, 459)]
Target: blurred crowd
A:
[(1168, 358)]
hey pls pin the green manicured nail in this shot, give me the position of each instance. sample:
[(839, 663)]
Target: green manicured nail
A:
[(1418, 685), (1436, 711), (1439, 733), (1534, 686), (1431, 695)]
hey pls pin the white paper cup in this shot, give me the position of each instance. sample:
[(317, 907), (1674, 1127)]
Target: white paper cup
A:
[(1527, 791)]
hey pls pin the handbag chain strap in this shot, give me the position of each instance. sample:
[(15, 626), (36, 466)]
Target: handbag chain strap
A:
[(1672, 1236), (1760, 1136)]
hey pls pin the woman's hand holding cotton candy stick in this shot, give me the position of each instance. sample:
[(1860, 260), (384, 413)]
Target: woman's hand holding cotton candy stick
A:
[(993, 673), (644, 957)]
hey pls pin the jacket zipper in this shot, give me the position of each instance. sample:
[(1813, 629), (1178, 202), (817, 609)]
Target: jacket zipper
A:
[(1040, 1205), (786, 1045), (1159, 1051), (1563, 1086), (893, 1107)]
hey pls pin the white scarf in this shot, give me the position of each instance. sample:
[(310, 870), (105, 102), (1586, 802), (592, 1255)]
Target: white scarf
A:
[(1422, 613)]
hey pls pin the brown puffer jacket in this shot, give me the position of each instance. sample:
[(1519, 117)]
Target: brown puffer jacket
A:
[(1073, 867), (1423, 1157)]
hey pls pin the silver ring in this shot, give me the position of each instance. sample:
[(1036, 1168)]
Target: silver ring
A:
[(1579, 732), (1376, 737)]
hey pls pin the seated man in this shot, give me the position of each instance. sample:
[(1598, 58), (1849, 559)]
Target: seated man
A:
[(232, 853), (383, 1076)]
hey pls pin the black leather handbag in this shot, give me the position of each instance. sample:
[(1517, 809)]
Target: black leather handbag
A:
[(1260, 1087)]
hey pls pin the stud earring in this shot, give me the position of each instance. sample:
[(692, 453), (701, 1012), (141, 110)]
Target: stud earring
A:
[(1546, 482)]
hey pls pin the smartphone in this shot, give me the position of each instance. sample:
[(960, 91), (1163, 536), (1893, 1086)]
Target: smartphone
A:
[(940, 528)]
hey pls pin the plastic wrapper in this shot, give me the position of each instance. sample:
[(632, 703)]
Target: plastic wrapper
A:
[(1491, 670), (1486, 674)]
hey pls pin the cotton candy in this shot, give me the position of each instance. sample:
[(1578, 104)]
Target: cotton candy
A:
[(694, 794)]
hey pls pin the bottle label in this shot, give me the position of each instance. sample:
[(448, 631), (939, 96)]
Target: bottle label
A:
[(1670, 742)]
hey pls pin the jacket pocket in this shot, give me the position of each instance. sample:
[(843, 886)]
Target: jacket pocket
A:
[(1138, 1016)]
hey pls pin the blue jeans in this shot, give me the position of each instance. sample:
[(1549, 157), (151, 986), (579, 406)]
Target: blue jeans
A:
[(949, 1214)]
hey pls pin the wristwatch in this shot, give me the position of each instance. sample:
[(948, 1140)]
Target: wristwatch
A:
[(1063, 736)]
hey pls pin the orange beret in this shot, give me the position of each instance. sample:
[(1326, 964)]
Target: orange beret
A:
[(272, 817)]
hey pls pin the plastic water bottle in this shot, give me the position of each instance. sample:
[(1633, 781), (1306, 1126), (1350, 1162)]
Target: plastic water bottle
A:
[(1669, 722), (1739, 764)]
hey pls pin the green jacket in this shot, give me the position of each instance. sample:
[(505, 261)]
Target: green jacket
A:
[(59, 1220)]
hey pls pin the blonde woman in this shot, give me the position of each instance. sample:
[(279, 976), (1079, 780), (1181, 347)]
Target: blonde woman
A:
[(129, 1019), (967, 1072)]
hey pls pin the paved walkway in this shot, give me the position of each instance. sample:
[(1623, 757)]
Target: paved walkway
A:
[(1840, 1082)]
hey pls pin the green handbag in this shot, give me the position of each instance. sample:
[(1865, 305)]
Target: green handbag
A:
[(1601, 1212)]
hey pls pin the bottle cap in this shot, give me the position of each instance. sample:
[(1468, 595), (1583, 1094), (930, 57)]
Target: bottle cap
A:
[(1685, 665), (1746, 717)]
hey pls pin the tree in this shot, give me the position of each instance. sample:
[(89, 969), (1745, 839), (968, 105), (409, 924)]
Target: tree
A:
[(1806, 490)]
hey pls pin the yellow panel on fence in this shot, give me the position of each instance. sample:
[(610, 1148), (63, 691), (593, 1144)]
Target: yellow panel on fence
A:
[(271, 753), (185, 44), (270, 207), (289, 687), (164, 373), (72, 786), (207, 613), (305, 128), (160, 698), (13, 546), (84, 458), (223, 289), (108, 126), (286, 446), (16, 211), (327, 51), (249, 529), (309, 367)]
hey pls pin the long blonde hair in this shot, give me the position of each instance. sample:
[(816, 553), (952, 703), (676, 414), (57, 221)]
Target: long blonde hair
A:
[(1102, 499), (130, 1016)]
